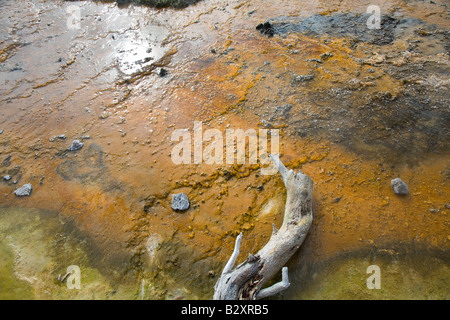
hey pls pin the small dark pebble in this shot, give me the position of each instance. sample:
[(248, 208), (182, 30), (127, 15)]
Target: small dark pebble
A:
[(163, 72), (266, 28), (399, 187)]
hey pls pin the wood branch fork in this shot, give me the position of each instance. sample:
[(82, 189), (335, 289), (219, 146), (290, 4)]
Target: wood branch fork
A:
[(245, 282)]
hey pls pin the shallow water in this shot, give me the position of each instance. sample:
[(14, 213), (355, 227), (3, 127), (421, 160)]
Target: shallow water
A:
[(373, 107), (404, 275), (37, 249)]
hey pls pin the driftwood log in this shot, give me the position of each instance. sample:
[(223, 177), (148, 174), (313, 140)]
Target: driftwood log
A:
[(245, 282)]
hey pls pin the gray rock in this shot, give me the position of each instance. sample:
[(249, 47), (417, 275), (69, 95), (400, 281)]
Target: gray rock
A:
[(180, 202), (76, 145), (60, 136), (24, 190), (7, 177), (399, 187)]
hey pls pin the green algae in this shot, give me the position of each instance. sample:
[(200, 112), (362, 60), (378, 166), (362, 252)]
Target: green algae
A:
[(412, 276), (11, 288), (36, 249)]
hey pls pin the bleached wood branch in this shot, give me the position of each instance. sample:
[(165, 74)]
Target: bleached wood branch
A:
[(277, 287), (229, 266), (247, 279)]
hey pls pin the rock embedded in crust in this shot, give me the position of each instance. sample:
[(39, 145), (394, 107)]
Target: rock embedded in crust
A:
[(266, 28), (399, 187), (24, 190), (76, 145), (180, 202)]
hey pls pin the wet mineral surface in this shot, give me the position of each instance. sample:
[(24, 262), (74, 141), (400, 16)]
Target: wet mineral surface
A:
[(355, 108)]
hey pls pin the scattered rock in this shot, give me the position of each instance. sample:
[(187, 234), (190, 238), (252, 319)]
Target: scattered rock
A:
[(399, 187), (16, 67), (177, 4), (302, 78), (266, 28), (180, 202), (60, 136), (76, 145), (284, 109), (326, 55), (24, 190), (7, 177), (227, 175), (315, 60)]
